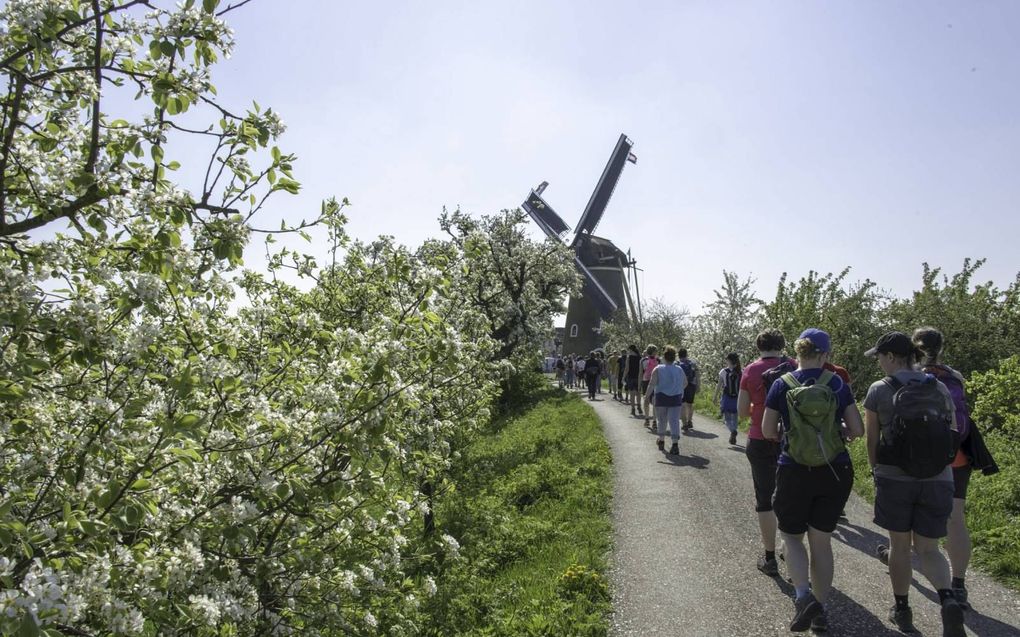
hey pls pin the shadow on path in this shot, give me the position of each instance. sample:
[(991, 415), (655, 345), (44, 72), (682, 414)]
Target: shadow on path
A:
[(704, 435), (697, 462), (847, 617), (861, 538), (980, 625)]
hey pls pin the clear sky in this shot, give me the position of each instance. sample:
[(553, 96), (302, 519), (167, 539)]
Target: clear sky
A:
[(770, 136)]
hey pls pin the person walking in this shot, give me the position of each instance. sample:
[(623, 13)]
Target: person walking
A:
[(621, 367), (912, 435), (648, 364), (815, 412), (972, 454), (726, 392), (691, 371), (610, 363), (561, 369), (666, 389), (579, 366), (762, 454), (632, 379), (592, 373), (571, 371)]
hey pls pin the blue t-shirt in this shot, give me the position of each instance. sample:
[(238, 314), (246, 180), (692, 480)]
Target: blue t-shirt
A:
[(776, 399)]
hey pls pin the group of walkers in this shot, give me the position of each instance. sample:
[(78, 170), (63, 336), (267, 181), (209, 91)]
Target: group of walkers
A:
[(922, 448), (576, 371)]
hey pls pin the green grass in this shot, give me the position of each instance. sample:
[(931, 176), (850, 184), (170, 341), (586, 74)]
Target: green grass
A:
[(531, 512), (705, 406)]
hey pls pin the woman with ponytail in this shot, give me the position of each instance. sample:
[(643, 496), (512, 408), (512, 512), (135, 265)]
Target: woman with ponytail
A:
[(929, 342)]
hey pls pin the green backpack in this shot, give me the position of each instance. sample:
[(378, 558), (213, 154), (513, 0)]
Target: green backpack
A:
[(813, 436)]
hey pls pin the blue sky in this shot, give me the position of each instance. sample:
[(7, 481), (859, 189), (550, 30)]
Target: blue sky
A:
[(771, 136)]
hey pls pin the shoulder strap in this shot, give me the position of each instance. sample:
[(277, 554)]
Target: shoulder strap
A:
[(825, 378), (790, 380), (893, 382)]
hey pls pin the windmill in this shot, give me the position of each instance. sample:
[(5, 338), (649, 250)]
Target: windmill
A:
[(606, 270)]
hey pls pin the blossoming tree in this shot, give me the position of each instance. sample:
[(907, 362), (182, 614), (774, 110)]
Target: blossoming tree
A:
[(169, 464)]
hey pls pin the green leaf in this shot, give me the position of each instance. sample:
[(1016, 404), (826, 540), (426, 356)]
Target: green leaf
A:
[(28, 627), (209, 5), (189, 421), (186, 454)]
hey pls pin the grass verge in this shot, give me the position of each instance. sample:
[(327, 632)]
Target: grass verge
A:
[(531, 513)]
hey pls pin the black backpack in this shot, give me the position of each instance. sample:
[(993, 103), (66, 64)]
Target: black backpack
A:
[(689, 372), (732, 382), (920, 440), (770, 376)]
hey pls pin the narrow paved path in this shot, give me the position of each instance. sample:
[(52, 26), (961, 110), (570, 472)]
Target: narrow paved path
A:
[(686, 543)]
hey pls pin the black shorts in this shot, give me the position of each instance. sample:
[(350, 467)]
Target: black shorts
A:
[(763, 456), (644, 387), (689, 392), (632, 384), (921, 506), (961, 480), (811, 496)]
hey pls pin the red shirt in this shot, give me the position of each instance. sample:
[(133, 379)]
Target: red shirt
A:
[(752, 383), (838, 371)]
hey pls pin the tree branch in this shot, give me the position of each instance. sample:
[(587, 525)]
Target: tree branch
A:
[(92, 196), (232, 7), (11, 121), (70, 27), (97, 76)]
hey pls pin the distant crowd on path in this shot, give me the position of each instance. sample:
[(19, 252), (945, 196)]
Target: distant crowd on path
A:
[(922, 448)]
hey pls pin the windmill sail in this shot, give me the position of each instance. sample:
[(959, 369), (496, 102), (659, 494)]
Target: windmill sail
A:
[(604, 190), (594, 291), (545, 216), (630, 300)]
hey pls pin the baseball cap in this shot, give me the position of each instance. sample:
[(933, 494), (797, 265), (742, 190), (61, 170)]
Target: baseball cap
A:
[(896, 343), (818, 338)]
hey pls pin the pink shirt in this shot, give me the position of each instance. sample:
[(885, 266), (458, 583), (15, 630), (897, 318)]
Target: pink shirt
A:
[(650, 364), (752, 383)]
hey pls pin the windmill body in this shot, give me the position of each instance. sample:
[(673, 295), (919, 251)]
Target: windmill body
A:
[(603, 266)]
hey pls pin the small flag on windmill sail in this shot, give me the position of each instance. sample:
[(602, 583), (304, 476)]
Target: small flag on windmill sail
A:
[(632, 158)]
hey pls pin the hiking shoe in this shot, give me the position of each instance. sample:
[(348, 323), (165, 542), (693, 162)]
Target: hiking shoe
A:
[(647, 420), (769, 567), (952, 619), (882, 552), (820, 623), (661, 444), (903, 618), (733, 438), (674, 450), (805, 610), (632, 411), (961, 598), (655, 424)]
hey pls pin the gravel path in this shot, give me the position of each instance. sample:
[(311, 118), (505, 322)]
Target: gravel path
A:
[(686, 542)]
